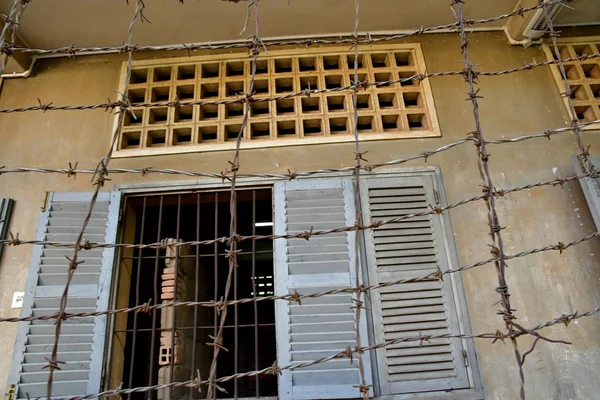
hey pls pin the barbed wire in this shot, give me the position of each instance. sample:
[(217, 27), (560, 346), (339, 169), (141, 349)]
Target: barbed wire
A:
[(15, 240), (255, 44), (349, 352), (291, 175), (497, 246), (296, 297), (98, 181), (367, 39), (125, 105)]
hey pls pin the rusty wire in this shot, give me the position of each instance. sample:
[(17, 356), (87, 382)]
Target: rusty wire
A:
[(73, 51), (232, 242), (121, 105), (15, 240), (290, 175), (296, 297), (255, 44), (12, 23), (348, 353), (363, 388), (497, 247), (98, 179)]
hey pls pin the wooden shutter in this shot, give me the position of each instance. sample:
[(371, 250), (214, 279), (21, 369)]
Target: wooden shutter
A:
[(321, 326), (5, 209), (590, 187), (81, 343), (411, 248)]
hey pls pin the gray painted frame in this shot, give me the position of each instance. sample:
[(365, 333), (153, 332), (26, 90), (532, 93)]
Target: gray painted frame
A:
[(590, 187), (5, 211)]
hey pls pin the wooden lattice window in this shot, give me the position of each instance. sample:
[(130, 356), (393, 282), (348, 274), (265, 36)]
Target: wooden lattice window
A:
[(389, 110), (583, 76)]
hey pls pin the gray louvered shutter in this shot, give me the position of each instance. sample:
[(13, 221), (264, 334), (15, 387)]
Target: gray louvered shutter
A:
[(81, 343), (411, 248), (323, 326), (5, 210), (590, 187)]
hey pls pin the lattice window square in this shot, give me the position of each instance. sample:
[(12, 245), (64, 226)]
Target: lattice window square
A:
[(583, 76)]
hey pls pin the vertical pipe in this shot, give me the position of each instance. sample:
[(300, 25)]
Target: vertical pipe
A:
[(173, 332), (254, 303), (137, 300), (196, 294), (157, 300)]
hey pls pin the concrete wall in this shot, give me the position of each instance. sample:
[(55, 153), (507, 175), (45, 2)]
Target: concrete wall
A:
[(542, 286)]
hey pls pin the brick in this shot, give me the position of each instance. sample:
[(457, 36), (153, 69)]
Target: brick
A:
[(168, 283), (167, 296)]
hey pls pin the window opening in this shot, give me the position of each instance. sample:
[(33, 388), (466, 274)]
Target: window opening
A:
[(200, 273)]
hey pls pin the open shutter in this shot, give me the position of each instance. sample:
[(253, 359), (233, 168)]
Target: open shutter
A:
[(322, 326), (81, 343), (590, 187), (411, 248)]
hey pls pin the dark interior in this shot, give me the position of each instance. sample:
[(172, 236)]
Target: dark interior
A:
[(204, 216)]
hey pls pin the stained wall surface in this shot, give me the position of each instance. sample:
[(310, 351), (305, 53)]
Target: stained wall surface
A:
[(542, 286)]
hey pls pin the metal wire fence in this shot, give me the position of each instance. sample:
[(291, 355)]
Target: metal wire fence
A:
[(255, 44)]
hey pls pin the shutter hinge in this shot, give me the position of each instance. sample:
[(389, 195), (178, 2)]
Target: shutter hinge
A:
[(465, 358), (11, 393), (45, 203), (436, 196)]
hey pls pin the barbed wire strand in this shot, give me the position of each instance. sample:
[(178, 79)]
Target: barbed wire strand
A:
[(497, 247), (367, 39), (254, 44), (119, 104), (291, 175), (10, 24), (232, 242), (295, 297), (421, 339), (363, 388), (15, 240), (98, 181)]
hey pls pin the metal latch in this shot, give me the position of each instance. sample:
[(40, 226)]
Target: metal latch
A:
[(45, 203)]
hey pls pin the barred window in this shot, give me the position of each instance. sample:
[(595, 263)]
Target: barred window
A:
[(299, 97)]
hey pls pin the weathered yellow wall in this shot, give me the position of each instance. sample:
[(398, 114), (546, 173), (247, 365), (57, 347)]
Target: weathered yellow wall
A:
[(542, 286)]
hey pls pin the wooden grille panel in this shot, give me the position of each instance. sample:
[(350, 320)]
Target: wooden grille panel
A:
[(583, 77), (386, 111)]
